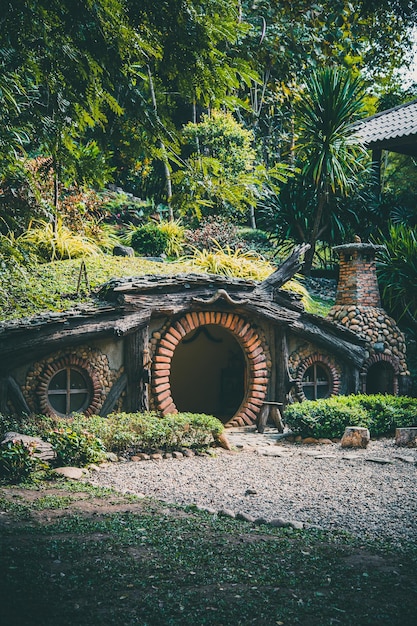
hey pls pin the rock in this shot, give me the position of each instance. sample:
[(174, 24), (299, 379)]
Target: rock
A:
[(250, 492), (188, 453), (245, 517), (227, 513), (120, 250), (43, 449), (177, 455), (157, 456), (309, 440), (113, 458), (378, 459), (406, 437), (140, 456), (223, 441), (75, 473), (325, 441), (93, 467), (296, 524), (259, 521), (279, 522), (355, 437)]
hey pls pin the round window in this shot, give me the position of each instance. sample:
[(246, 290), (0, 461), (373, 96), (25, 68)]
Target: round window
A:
[(316, 382), (69, 391)]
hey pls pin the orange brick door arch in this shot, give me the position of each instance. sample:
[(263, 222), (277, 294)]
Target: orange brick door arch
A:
[(247, 338)]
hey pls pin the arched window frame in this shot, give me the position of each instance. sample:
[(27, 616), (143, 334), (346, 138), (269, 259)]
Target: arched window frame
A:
[(68, 363), (330, 368)]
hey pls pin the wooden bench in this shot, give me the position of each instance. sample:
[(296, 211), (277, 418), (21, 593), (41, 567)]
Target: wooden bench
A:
[(270, 411)]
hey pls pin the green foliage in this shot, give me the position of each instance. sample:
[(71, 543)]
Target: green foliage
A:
[(51, 243), (332, 155), (149, 240), (219, 176), (329, 417), (17, 461), (148, 432), (74, 446), (234, 263), (397, 272), (175, 233)]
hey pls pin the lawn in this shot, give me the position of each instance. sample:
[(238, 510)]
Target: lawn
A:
[(73, 554)]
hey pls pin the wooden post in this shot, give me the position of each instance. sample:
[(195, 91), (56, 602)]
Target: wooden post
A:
[(136, 390), (281, 365)]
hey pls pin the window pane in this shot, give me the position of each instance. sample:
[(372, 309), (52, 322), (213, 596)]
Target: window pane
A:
[(78, 402), (309, 393), (59, 380), (321, 374), (77, 380), (322, 391), (58, 403)]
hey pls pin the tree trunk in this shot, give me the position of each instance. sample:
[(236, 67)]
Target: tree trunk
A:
[(167, 171), (308, 258), (252, 217)]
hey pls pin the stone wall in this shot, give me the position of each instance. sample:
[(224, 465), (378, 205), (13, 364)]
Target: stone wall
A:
[(91, 359)]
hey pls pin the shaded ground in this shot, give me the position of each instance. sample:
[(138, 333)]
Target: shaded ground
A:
[(73, 554)]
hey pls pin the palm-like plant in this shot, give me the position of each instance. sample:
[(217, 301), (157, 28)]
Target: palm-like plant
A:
[(332, 153)]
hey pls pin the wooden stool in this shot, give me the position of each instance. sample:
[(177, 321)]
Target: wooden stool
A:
[(270, 410)]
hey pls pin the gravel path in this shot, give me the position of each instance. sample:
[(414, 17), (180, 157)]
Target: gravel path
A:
[(370, 492)]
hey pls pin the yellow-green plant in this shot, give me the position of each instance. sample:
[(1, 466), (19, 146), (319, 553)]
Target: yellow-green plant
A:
[(242, 264), (52, 244), (176, 237), (231, 262)]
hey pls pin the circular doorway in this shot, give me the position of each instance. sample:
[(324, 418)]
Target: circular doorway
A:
[(204, 357)]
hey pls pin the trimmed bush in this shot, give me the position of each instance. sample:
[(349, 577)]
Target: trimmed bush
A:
[(325, 418), (149, 240), (381, 414), (147, 432)]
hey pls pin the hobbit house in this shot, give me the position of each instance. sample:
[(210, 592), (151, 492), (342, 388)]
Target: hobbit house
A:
[(204, 343)]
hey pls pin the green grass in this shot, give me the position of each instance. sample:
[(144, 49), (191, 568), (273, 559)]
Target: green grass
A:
[(53, 286), (142, 562)]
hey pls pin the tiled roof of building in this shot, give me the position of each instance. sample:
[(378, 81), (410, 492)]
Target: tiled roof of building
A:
[(394, 129)]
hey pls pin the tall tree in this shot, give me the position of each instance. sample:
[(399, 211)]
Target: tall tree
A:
[(332, 155)]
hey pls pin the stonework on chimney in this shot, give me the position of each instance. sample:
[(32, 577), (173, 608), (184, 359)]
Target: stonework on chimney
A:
[(358, 307)]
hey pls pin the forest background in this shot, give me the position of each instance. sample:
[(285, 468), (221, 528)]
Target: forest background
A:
[(225, 124)]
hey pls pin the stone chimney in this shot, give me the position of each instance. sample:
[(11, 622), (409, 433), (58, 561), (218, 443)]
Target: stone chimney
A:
[(358, 283), (358, 308)]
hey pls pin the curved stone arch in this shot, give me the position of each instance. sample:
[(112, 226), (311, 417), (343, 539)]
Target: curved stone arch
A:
[(375, 359), (330, 367), (248, 339), (70, 360)]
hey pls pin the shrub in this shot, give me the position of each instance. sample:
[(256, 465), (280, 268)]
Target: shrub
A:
[(17, 461), (147, 432), (232, 263), (213, 232), (50, 244), (75, 447), (255, 239), (382, 414), (176, 236), (325, 418), (149, 240)]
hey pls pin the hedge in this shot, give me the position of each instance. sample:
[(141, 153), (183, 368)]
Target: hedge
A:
[(328, 418)]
